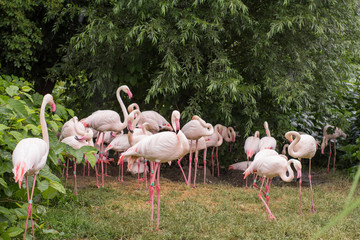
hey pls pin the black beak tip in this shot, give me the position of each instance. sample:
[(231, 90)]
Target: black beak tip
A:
[(177, 131), (53, 113)]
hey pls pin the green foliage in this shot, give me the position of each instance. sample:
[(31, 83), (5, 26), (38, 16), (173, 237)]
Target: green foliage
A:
[(19, 118)]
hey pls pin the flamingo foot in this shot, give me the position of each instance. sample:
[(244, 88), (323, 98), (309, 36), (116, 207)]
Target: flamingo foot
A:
[(313, 210), (272, 217)]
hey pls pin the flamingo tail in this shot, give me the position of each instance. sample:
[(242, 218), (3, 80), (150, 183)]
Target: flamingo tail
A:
[(20, 170)]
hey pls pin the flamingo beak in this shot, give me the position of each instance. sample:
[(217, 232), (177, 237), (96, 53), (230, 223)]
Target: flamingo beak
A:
[(129, 93), (53, 108), (231, 168), (247, 172), (20, 183)]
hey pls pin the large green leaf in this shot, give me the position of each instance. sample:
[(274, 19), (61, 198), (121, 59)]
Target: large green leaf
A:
[(12, 90), (3, 183), (58, 186), (18, 107), (14, 231), (49, 193)]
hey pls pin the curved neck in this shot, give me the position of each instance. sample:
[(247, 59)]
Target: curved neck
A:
[(204, 124), (122, 105), (291, 173), (266, 126), (288, 136), (44, 130), (217, 131), (257, 134)]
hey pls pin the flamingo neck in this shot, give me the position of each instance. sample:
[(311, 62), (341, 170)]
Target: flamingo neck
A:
[(293, 143), (283, 175), (44, 129), (122, 105)]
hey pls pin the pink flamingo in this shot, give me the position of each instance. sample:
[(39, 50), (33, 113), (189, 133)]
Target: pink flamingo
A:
[(304, 146), (251, 147), (119, 144), (331, 136), (269, 167), (72, 127), (214, 140), (194, 130), (30, 155), (267, 142), (240, 166), (137, 134), (155, 120), (159, 148), (108, 120), (76, 143)]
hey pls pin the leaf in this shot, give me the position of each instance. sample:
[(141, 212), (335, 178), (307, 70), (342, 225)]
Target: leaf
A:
[(18, 136), (58, 186), (50, 231), (12, 90), (50, 193), (18, 107), (26, 89), (43, 185), (91, 158), (14, 231), (3, 127), (54, 126), (3, 183), (46, 173)]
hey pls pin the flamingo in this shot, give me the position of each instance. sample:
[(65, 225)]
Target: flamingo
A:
[(304, 146), (76, 143), (283, 152), (251, 147), (119, 144), (73, 127), (194, 130), (30, 155), (137, 134), (155, 120), (331, 136), (108, 120), (267, 142), (271, 166), (242, 166), (214, 140), (159, 148), (229, 135)]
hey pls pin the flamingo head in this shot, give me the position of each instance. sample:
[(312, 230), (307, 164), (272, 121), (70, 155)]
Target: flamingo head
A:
[(129, 93), (231, 167), (247, 173), (53, 108)]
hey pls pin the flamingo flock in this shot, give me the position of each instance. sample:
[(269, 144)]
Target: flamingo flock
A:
[(151, 138)]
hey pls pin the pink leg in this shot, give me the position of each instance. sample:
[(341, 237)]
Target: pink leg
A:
[(67, 171), (334, 155), (88, 164), (256, 186), (300, 181), (182, 170), (29, 210), (312, 198), (158, 197), (138, 173), (205, 151), (122, 171), (217, 160), (106, 175), (119, 169), (63, 171), (190, 163), (75, 185), (212, 161), (102, 162), (145, 174), (196, 163), (152, 193), (247, 165), (96, 174), (266, 206), (329, 157)]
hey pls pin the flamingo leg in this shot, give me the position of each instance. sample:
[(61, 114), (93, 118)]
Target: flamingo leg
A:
[(205, 151), (196, 163), (122, 171), (329, 158), (190, 163), (119, 169), (158, 197), (67, 171), (145, 174), (75, 185), (152, 193), (29, 210), (334, 155), (312, 197), (101, 159), (266, 206), (182, 170), (217, 161), (212, 161), (96, 174), (138, 160), (247, 165), (300, 181), (88, 164)]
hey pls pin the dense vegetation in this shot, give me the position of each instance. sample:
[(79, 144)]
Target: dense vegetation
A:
[(238, 63)]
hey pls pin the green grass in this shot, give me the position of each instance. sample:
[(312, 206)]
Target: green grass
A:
[(211, 211)]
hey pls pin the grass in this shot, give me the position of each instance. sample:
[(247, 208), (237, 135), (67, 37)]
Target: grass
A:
[(211, 211)]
